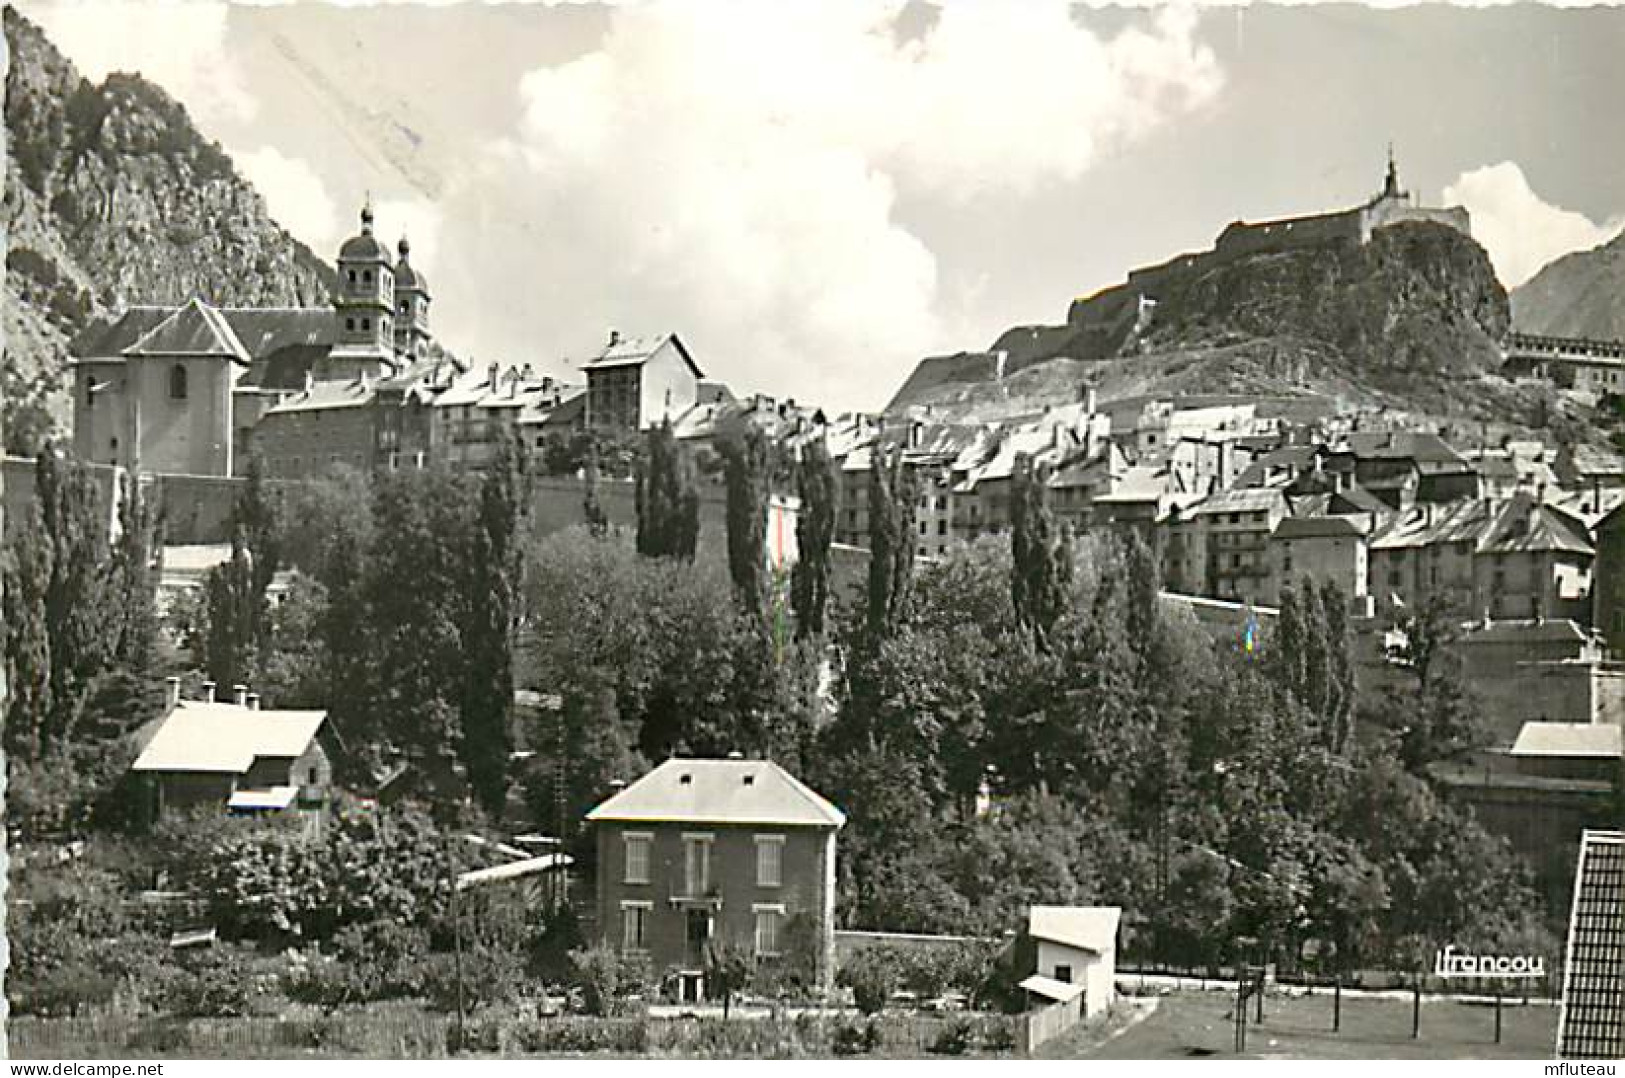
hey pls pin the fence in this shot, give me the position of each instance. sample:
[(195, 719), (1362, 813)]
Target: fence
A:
[(1047, 1023), (413, 1034)]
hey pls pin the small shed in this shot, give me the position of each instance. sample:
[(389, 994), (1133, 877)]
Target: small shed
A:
[(1077, 945)]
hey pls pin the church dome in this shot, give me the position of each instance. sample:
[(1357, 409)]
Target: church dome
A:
[(407, 276), (365, 247)]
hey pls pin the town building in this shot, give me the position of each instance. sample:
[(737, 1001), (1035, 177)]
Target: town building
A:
[(1608, 587), (636, 383), (731, 849), (232, 756), (1076, 945), (179, 390), (1588, 365)]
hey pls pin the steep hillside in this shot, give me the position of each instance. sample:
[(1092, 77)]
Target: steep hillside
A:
[(113, 198), (1409, 320), (1579, 295)]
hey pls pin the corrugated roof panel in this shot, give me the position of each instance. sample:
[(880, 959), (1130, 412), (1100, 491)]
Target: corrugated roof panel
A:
[(1591, 1023)]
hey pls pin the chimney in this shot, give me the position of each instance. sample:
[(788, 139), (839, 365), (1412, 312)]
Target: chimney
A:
[(496, 374), (208, 692), (916, 432), (614, 337), (1000, 358), (310, 380), (253, 701), (239, 695), (172, 685), (1089, 400)]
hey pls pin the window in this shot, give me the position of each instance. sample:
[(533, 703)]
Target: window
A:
[(349, 324), (635, 925), (350, 274), (366, 324), (90, 392), (1063, 973), (942, 527), (767, 930), (177, 382), (310, 780), (406, 307), (637, 857), (769, 860), (366, 276), (697, 864)]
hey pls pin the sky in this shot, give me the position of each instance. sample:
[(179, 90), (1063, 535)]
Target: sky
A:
[(816, 195)]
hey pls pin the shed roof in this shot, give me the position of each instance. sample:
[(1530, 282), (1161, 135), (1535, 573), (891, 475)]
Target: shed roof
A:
[(720, 791), (224, 738), (1599, 739), (1050, 988), (1088, 928)]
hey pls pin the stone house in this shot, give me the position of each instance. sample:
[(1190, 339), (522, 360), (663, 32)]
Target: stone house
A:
[(733, 849)]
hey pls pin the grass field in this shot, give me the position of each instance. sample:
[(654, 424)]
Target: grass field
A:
[(1196, 1025)]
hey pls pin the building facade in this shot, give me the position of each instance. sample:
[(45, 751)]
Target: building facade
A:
[(735, 849)]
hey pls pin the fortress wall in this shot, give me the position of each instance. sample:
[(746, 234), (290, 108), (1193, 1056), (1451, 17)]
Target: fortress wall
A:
[(1386, 213), (1270, 236)]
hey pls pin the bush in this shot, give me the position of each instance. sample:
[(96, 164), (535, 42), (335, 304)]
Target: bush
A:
[(627, 1037), (872, 975), (955, 1039), (597, 974), (214, 983), (856, 1038), (999, 1036)]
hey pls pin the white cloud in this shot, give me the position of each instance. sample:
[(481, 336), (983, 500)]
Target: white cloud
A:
[(181, 46), (1521, 231), (294, 194), (731, 171)]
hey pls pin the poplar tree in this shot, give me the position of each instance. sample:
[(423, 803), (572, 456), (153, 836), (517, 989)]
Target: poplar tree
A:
[(1040, 554), (487, 716), (745, 468), (81, 622), (668, 503), (892, 492), (235, 617), (136, 564), (592, 508), (818, 485), (27, 637)]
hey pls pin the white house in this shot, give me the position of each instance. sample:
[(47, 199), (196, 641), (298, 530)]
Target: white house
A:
[(1077, 945)]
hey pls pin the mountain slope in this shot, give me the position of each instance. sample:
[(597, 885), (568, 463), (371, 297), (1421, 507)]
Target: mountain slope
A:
[(114, 198), (1409, 320), (1580, 295)]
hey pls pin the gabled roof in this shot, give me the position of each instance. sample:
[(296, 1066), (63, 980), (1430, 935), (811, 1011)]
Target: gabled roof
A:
[(721, 792), (1525, 525), (324, 396), (1250, 500), (636, 351), (108, 338), (1319, 528), (1087, 928), (1596, 739), (196, 329), (223, 738)]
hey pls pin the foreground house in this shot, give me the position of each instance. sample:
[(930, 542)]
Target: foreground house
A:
[(729, 849), (1076, 954), (207, 753)]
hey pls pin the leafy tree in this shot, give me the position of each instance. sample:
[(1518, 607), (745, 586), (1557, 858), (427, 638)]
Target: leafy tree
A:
[(871, 973), (592, 508), (236, 613), (82, 624), (818, 484), (27, 576), (892, 494), (417, 603), (745, 455), (136, 562), (256, 515), (586, 746), (1041, 569), (1434, 718), (668, 502), (487, 712), (292, 670), (729, 967), (321, 515)]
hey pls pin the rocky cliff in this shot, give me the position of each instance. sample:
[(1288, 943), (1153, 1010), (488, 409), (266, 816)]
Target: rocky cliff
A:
[(114, 198), (1579, 295), (1409, 320)]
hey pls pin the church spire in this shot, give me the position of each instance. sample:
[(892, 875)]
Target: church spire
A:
[(1390, 188)]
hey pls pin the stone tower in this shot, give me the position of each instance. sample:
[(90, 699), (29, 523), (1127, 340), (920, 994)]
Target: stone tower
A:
[(411, 305), (364, 307)]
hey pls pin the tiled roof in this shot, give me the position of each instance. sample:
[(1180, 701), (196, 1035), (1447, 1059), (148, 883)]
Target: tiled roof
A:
[(193, 330), (1319, 528), (262, 331), (1241, 501), (1591, 1023), (108, 338), (720, 791), (1421, 446), (635, 351), (1568, 739), (223, 738), (1525, 525), (1088, 928), (323, 396)]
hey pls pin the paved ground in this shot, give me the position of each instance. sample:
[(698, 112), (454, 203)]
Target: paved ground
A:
[(1196, 1025)]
